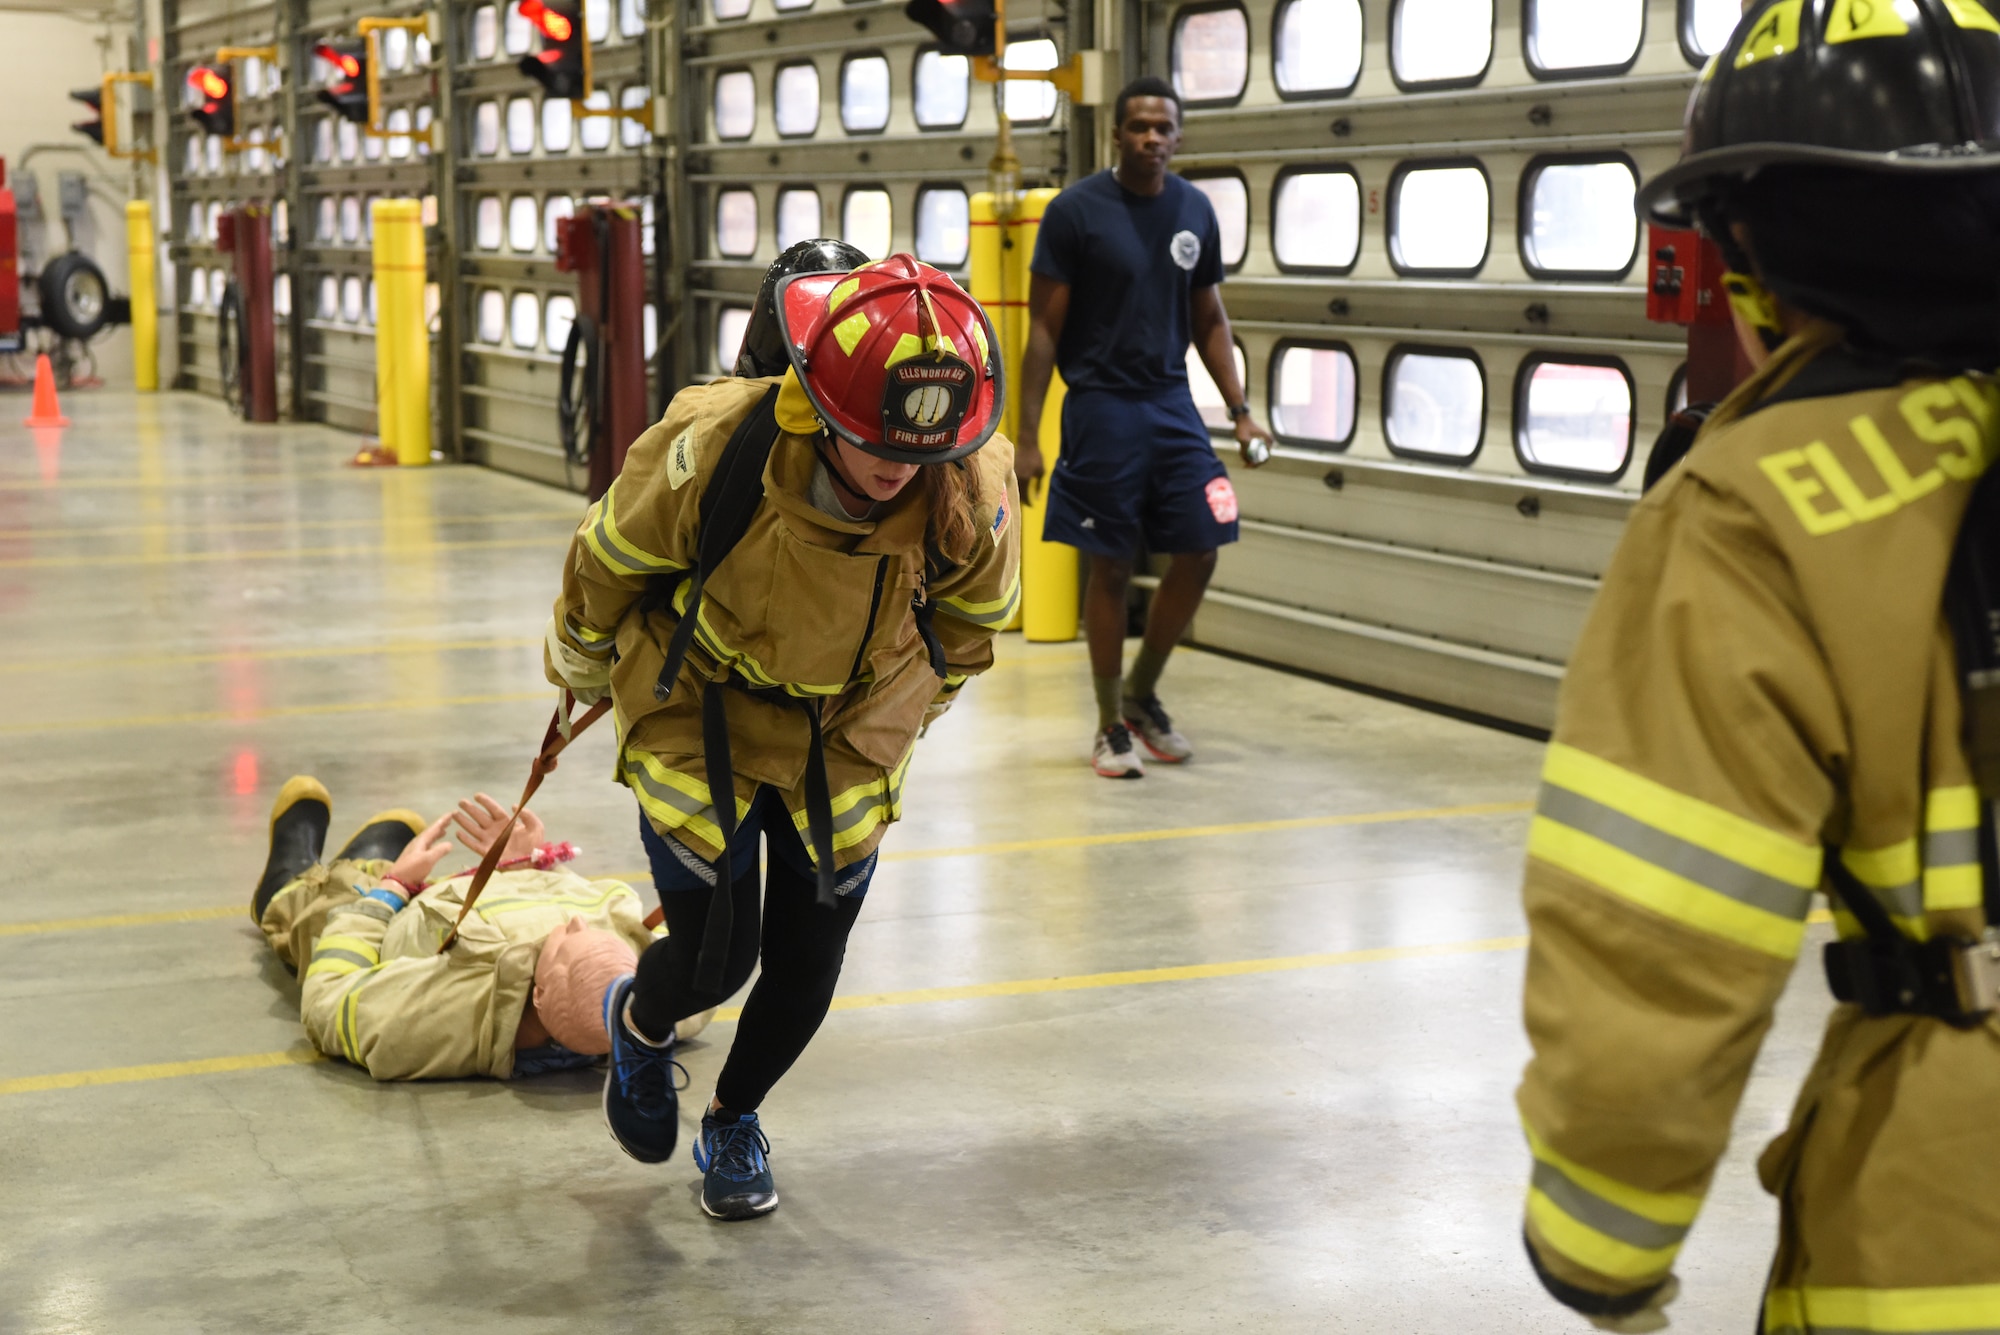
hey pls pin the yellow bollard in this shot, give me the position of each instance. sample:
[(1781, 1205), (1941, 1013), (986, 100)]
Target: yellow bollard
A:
[(402, 348), (1049, 612), (145, 301)]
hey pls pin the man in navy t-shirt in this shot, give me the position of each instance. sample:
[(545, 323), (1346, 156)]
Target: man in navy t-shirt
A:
[(1125, 277)]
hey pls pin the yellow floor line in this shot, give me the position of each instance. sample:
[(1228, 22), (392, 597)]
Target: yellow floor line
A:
[(298, 1056), (261, 715), (124, 920), (385, 550), (1182, 973), (224, 481), (126, 1075), (59, 532), (391, 649), (642, 875), (1207, 831)]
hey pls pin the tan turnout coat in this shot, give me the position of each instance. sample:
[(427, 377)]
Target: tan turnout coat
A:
[(807, 604), (374, 990), (1767, 673)]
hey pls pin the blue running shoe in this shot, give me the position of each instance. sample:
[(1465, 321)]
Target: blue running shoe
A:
[(735, 1162), (641, 1105)]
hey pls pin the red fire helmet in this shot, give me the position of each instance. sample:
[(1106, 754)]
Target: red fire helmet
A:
[(897, 359)]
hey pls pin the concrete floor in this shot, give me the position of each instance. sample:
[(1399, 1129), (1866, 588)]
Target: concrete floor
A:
[(192, 609)]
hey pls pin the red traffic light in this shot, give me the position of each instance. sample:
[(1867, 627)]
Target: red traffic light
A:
[(349, 66), (208, 83), (555, 26)]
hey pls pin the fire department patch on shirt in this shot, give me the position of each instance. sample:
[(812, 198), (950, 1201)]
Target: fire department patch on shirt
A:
[(680, 460)]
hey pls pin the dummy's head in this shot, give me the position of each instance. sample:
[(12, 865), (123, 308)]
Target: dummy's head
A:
[(578, 964)]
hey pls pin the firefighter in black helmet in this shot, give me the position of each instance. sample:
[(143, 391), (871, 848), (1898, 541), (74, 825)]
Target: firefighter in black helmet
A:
[(1767, 703), (763, 352)]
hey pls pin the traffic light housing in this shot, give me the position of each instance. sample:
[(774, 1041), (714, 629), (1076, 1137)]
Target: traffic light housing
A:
[(962, 27), (94, 99), (214, 92), (347, 92), (562, 65)]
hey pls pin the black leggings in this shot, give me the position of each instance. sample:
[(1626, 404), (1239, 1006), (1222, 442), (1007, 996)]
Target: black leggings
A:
[(802, 946)]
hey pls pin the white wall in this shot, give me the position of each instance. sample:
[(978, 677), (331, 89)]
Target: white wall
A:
[(44, 57)]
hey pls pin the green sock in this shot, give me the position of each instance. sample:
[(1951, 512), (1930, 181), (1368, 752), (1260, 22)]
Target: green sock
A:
[(1110, 707), (1144, 681)]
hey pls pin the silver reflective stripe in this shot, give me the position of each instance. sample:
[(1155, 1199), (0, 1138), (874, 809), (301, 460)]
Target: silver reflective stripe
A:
[(1663, 850), (861, 810), (857, 875), (1614, 1221), (336, 953), (1905, 900), (1951, 848), (589, 641), (668, 794), (644, 563)]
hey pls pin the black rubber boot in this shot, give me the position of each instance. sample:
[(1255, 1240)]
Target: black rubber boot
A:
[(385, 836), (298, 836)]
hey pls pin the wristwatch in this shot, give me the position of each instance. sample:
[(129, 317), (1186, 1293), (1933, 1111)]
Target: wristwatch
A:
[(1238, 412)]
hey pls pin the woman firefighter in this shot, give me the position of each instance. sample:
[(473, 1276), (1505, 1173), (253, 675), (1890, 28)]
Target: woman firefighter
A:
[(792, 576), (1786, 685)]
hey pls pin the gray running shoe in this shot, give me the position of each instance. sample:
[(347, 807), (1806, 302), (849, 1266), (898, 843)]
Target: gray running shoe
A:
[(1156, 731), (1115, 757)]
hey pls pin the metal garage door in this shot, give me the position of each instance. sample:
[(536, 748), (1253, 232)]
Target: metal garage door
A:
[(206, 181), (1437, 287), (523, 161), (828, 119)]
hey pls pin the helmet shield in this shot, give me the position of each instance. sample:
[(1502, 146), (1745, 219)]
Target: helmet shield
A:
[(763, 350), (1911, 86), (896, 358)]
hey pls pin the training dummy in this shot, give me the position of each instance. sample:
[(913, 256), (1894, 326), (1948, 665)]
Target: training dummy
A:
[(522, 993)]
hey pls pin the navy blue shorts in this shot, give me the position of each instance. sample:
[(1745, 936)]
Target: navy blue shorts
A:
[(1138, 467)]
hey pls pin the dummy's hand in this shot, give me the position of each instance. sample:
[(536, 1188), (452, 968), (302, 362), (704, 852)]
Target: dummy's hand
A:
[(422, 855), (1649, 1318), (480, 818), (1028, 470), (1255, 455)]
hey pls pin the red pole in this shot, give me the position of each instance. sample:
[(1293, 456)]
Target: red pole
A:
[(624, 326), (253, 283)]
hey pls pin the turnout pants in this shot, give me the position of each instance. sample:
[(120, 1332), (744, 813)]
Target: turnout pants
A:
[(801, 944)]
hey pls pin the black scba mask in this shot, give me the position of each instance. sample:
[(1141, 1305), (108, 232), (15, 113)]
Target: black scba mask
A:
[(924, 401)]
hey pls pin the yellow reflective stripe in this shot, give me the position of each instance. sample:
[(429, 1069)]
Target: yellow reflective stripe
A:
[(672, 799), (601, 535), (1673, 854), (859, 811), (348, 1026), (594, 643), (1933, 1311), (750, 669), (995, 612), (1614, 870), (1721, 832), (1952, 877), (954, 680), (337, 954), (1612, 1227), (1895, 875)]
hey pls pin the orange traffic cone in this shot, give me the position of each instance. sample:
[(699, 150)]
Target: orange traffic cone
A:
[(47, 411)]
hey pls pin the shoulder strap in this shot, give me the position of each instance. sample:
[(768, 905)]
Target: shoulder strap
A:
[(728, 504)]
